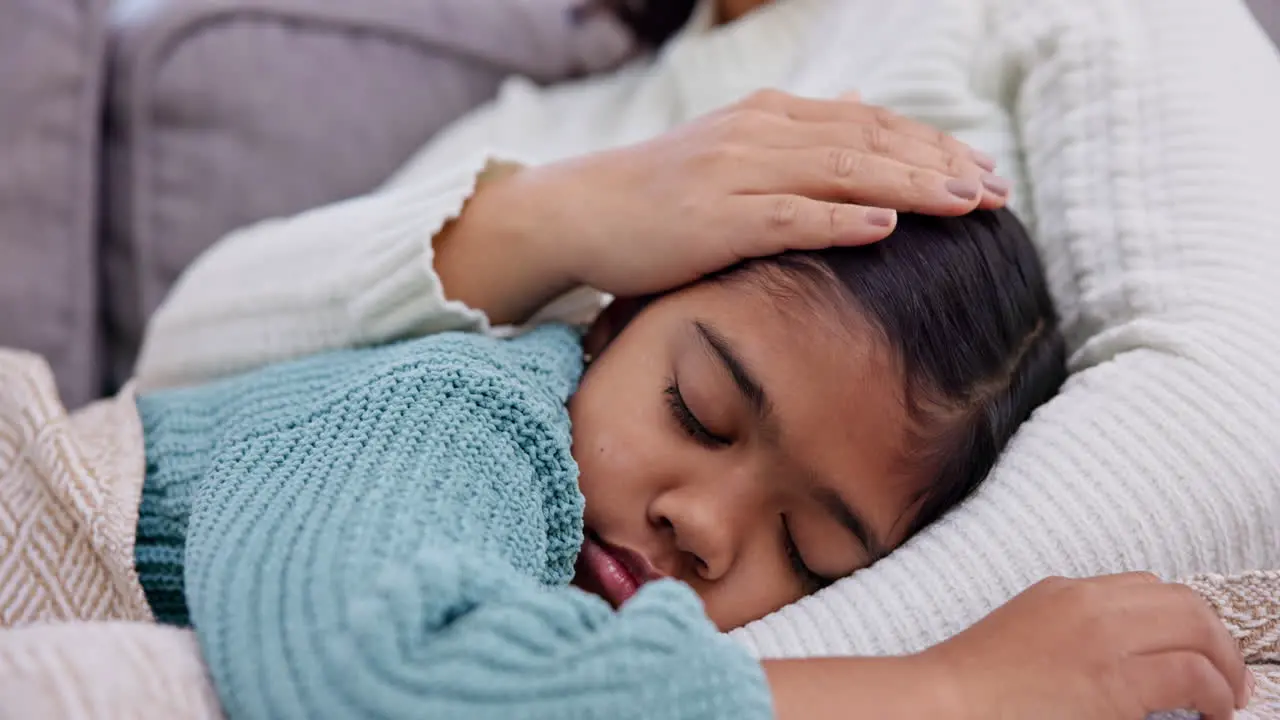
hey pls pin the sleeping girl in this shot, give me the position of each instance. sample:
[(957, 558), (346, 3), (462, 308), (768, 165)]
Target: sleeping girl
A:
[(560, 525), (394, 531)]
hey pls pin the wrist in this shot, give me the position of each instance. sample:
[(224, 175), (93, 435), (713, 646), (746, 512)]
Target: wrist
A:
[(547, 220), (944, 687), (884, 688), (495, 256)]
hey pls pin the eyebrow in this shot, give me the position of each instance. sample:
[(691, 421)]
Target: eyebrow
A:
[(831, 501), (755, 396), (751, 389)]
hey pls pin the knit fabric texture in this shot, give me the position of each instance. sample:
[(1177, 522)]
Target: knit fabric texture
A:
[(390, 532), (162, 529)]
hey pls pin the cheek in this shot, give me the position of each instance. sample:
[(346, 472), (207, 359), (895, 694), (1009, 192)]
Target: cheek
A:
[(755, 590), (613, 445)]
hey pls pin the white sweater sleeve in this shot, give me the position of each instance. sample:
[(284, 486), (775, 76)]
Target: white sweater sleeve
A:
[(357, 272), (348, 274), (1149, 133)]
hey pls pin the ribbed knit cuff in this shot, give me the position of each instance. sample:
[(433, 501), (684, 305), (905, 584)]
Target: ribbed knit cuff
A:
[(158, 554), (396, 289)]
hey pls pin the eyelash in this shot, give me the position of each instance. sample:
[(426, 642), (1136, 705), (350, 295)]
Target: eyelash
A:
[(812, 580), (689, 422), (694, 428)]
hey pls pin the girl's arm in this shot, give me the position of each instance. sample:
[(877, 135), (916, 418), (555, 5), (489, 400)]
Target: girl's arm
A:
[(887, 688)]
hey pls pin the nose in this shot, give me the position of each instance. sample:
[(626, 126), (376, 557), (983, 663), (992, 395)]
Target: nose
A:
[(708, 517)]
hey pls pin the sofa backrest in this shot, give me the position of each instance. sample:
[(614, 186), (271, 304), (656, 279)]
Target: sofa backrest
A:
[(225, 112)]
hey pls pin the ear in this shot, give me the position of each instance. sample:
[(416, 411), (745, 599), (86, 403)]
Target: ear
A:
[(610, 323)]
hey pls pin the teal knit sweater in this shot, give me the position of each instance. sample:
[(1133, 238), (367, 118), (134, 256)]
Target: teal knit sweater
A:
[(391, 532)]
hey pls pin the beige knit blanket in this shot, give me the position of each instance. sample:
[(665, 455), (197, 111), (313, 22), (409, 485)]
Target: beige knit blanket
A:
[(77, 639)]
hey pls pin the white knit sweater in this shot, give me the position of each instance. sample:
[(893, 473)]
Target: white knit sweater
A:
[(1141, 137)]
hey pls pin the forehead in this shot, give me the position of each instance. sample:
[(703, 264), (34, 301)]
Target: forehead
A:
[(836, 386)]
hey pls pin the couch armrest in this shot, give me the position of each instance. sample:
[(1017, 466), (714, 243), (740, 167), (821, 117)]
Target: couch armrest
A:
[(51, 68), (224, 112)]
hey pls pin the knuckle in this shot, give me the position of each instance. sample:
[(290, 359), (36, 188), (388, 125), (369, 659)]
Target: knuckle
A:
[(1210, 626), (1192, 670), (1090, 600), (721, 157), (884, 118), (1191, 601), (754, 122), (1051, 588), (784, 213), (877, 139), (766, 99), (1101, 621), (1095, 618), (956, 165), (923, 181), (1054, 583), (835, 220), (843, 163), (743, 125)]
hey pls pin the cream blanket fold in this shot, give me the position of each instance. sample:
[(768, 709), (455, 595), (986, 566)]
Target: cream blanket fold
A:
[(76, 637), (69, 492)]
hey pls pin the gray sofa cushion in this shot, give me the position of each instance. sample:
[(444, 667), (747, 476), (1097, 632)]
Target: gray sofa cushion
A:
[(224, 112), (51, 67)]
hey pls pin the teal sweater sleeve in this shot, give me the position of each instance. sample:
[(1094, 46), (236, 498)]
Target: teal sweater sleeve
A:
[(399, 545)]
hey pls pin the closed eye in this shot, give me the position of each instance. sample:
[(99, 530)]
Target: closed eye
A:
[(688, 422), (811, 580)]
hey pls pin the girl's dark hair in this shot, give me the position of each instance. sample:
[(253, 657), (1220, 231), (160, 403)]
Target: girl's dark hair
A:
[(653, 22), (964, 303)]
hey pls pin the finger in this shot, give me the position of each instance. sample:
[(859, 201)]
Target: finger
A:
[(875, 140), (810, 110), (843, 175), (995, 191), (1167, 617), (1178, 681), (762, 225)]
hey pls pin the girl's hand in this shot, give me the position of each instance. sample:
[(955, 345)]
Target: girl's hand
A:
[(772, 173), (1116, 647)]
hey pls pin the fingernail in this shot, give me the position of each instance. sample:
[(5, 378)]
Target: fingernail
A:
[(995, 184), (985, 161), (963, 188), (1250, 685), (881, 217)]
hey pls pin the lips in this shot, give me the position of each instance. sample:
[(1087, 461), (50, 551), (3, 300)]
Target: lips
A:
[(612, 572)]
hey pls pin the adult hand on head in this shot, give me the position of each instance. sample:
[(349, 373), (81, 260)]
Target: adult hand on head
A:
[(772, 173), (1111, 648)]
